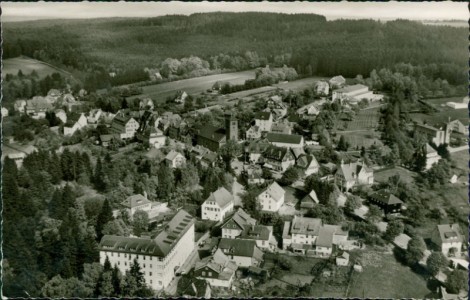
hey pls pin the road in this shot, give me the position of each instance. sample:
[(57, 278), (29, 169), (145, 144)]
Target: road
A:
[(457, 149)]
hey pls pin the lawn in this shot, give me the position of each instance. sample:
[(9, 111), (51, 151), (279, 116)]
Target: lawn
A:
[(160, 92), (299, 85), (365, 119), (386, 278), (405, 175), (461, 159), (27, 65), (362, 138), (441, 116)]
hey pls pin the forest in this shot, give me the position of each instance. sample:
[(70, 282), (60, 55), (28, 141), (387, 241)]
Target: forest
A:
[(307, 42)]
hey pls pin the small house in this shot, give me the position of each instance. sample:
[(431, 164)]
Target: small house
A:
[(309, 201), (175, 159), (343, 259), (218, 205), (218, 270), (272, 198), (448, 238), (244, 253), (388, 202)]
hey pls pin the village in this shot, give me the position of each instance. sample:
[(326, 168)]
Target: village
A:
[(280, 203)]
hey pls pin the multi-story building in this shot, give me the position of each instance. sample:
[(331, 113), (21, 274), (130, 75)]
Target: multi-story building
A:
[(125, 126), (337, 82), (244, 253), (236, 224), (159, 257), (272, 198), (277, 158), (217, 205), (432, 157), (264, 120), (449, 240), (285, 140), (353, 173), (137, 202), (216, 269), (435, 135), (175, 159), (75, 125)]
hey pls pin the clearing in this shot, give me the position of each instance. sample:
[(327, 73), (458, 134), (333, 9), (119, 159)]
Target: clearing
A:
[(384, 174), (160, 92), (300, 84), (27, 65)]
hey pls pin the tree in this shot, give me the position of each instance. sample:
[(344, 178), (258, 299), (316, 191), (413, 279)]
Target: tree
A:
[(250, 201), (394, 228), (116, 227), (415, 250), (290, 176), (116, 279), (419, 159), (343, 145), (352, 203), (374, 214), (457, 281), (166, 181), (105, 215), (436, 262), (228, 152), (98, 176), (140, 222)]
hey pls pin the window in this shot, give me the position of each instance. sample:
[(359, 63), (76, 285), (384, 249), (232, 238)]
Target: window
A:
[(150, 258), (150, 281), (210, 273), (112, 254), (144, 257), (203, 273), (150, 273), (159, 282), (119, 263), (144, 265), (118, 255), (150, 266)]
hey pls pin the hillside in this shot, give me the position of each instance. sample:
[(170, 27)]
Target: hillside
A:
[(312, 44)]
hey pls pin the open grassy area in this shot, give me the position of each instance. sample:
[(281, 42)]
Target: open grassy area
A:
[(405, 175), (441, 116), (387, 278), (27, 65), (299, 85), (363, 138), (365, 119), (160, 92)]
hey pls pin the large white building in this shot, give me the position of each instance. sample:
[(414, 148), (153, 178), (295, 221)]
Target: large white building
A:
[(159, 257), (354, 94), (137, 202), (217, 205), (449, 239), (264, 120), (272, 198), (125, 126)]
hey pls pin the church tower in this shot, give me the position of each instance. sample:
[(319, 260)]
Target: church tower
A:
[(231, 127)]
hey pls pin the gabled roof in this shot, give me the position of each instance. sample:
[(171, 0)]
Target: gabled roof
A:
[(303, 225), (338, 79), (219, 262), (135, 200), (402, 241), (386, 197), (172, 155), (310, 200), (352, 169), (256, 232), (277, 153), (430, 150), (263, 115), (190, 286), (275, 191), (449, 233), (258, 146), (326, 234), (307, 161), (284, 138), (239, 247), (210, 157), (222, 197), (212, 133), (241, 219), (298, 152)]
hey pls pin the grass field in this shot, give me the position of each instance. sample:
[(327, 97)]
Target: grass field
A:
[(442, 116), (461, 159), (361, 130), (299, 85), (405, 175), (386, 278), (364, 138), (160, 92), (365, 119), (27, 65)]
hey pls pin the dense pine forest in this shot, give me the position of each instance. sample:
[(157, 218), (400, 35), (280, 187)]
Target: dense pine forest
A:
[(307, 42)]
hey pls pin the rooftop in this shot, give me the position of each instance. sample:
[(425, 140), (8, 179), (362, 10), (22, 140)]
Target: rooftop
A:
[(352, 88), (221, 196), (275, 191), (284, 138)]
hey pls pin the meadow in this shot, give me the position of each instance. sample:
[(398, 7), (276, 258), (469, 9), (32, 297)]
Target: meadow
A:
[(28, 65), (299, 85)]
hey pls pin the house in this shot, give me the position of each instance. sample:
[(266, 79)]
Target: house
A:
[(352, 174), (209, 159), (272, 198), (175, 159), (254, 175), (152, 137), (17, 152), (255, 151), (276, 107), (218, 205), (264, 120), (253, 133), (94, 115), (217, 270), (20, 106), (309, 201), (448, 239), (261, 234), (459, 105), (278, 159), (234, 226), (458, 126), (137, 202), (244, 253), (281, 127), (181, 97), (73, 126), (190, 287), (146, 104), (37, 108), (438, 136), (159, 257), (353, 94), (285, 140), (106, 139), (125, 126), (454, 179), (308, 163), (386, 201), (337, 82), (343, 259), (213, 138), (4, 112), (321, 88), (310, 109), (310, 236), (431, 157), (168, 119), (401, 241), (61, 115)]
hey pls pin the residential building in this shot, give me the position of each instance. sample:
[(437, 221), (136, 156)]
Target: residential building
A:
[(328, 236), (175, 159), (432, 157), (17, 152), (73, 126), (233, 227), (352, 174), (159, 257), (168, 119), (253, 133), (457, 126), (146, 104), (310, 109), (152, 137), (217, 206), (264, 120), (354, 94), (218, 270), (261, 234), (388, 202), (309, 201), (321, 88), (125, 126), (255, 151), (272, 198), (20, 106), (254, 174), (459, 105), (285, 140), (137, 202), (181, 97), (337, 82), (276, 107), (4, 112), (190, 287), (281, 127), (401, 241), (342, 259), (37, 107), (209, 159), (278, 159), (94, 115), (448, 239), (438, 136), (61, 115), (308, 163), (244, 253)]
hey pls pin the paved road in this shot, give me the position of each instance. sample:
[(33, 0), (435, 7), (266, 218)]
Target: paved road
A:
[(238, 190), (457, 149)]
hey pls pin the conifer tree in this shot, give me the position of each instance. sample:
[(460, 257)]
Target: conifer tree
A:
[(105, 215)]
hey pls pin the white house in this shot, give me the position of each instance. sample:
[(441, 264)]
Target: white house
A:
[(4, 112), (343, 259), (175, 159), (244, 253), (253, 133), (309, 164), (77, 125), (351, 174), (160, 257), (272, 198), (60, 113), (337, 82), (310, 109), (217, 205), (218, 270), (155, 138), (125, 126), (431, 157), (449, 239), (94, 115), (137, 202), (236, 224), (353, 94), (322, 88), (264, 120), (459, 105), (17, 152)]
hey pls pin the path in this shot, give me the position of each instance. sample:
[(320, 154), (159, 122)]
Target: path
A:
[(237, 191), (457, 149)]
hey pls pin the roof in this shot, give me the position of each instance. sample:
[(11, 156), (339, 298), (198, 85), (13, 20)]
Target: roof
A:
[(210, 156), (258, 146), (307, 161), (351, 169), (263, 115), (402, 241), (303, 225), (449, 233), (219, 262), (352, 88), (386, 197), (106, 137), (241, 219), (238, 247), (284, 138), (325, 237), (310, 200), (344, 255), (298, 152), (212, 133), (276, 153), (160, 246), (190, 286), (256, 232), (135, 200), (222, 197), (430, 149), (172, 155), (338, 79), (275, 191)]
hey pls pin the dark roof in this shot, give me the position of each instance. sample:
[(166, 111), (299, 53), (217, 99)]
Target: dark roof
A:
[(386, 197), (255, 232), (263, 115), (212, 133), (190, 286), (238, 247), (210, 157), (276, 153), (240, 219), (284, 138)]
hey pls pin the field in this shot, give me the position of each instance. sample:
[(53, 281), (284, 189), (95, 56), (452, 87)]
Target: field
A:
[(299, 85), (405, 175), (461, 159), (361, 130), (27, 65), (386, 278), (160, 92), (444, 112)]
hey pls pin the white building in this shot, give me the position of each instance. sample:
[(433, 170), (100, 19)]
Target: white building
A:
[(355, 93), (159, 257), (17, 152), (431, 157), (236, 224), (175, 159), (4, 112), (137, 202), (244, 253), (217, 269), (459, 105), (217, 205), (125, 126), (272, 198), (449, 239), (79, 124), (61, 115), (322, 88), (264, 120), (94, 115)]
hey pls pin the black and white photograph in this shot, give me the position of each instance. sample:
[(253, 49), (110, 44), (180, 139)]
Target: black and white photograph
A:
[(235, 150)]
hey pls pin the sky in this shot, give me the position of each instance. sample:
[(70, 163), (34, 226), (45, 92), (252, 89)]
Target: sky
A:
[(20, 11)]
